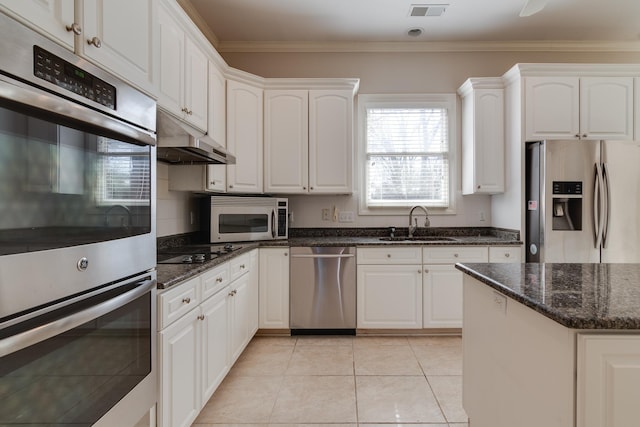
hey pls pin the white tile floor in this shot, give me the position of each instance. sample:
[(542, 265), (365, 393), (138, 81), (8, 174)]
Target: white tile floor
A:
[(342, 381)]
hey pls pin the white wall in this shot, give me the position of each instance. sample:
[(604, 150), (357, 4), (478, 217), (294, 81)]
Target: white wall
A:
[(402, 72)]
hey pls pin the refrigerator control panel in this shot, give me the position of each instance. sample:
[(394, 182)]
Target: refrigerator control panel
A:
[(567, 187)]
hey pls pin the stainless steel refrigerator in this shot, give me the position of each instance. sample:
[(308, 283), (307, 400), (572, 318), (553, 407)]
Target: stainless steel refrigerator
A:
[(582, 201)]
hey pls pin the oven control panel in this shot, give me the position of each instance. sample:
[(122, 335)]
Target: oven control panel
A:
[(62, 73)]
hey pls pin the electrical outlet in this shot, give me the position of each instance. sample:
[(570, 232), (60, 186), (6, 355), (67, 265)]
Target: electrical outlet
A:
[(346, 216), (326, 214), (481, 216)]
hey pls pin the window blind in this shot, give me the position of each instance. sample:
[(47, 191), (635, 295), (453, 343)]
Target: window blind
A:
[(407, 153), (124, 174)]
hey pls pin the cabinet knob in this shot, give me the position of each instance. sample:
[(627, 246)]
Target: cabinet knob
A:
[(578, 135), (95, 41), (201, 317), (76, 28), (426, 270), (242, 266), (479, 187), (455, 255), (388, 255), (230, 185), (190, 112), (186, 300), (507, 255), (184, 109), (584, 135), (310, 188), (304, 188), (286, 254), (212, 183)]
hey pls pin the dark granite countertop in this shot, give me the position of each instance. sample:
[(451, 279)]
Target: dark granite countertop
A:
[(578, 296), (171, 274)]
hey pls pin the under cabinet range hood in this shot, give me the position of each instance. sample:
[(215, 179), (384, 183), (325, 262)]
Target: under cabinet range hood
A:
[(180, 144)]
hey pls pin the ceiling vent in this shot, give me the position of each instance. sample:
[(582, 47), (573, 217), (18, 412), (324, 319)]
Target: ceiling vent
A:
[(427, 9)]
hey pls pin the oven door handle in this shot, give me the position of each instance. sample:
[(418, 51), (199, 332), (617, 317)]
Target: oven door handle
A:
[(41, 333)]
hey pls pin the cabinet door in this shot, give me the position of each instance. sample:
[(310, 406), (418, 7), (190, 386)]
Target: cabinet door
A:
[(180, 372), (606, 108), (51, 17), (124, 41), (274, 288), (244, 137), (217, 106), (239, 299), (389, 296), (442, 293), (637, 108), (552, 108), (330, 141), (254, 274), (608, 380), (286, 141), (195, 86), (171, 62), (215, 337), (483, 142)]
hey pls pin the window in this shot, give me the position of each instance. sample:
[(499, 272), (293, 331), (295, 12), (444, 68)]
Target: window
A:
[(408, 152)]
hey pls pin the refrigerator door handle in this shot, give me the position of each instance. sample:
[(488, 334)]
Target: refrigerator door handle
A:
[(607, 204), (598, 217)]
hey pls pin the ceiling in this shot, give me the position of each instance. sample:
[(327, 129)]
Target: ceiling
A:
[(248, 24)]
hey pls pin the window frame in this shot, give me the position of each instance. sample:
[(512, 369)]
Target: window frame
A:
[(444, 100)]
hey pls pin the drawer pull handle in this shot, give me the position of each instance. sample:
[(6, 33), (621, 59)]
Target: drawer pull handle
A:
[(186, 300), (242, 266), (219, 280)]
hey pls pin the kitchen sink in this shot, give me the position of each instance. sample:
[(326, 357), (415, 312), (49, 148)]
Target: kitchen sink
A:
[(418, 239)]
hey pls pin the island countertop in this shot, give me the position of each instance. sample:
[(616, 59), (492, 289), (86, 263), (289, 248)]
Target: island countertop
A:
[(578, 296)]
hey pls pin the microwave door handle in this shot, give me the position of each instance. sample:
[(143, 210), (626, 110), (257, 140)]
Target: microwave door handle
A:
[(273, 223)]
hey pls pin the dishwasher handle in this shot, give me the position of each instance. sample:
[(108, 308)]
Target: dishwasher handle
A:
[(323, 256)]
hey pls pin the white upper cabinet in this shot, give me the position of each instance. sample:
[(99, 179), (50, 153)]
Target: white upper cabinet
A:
[(330, 141), (308, 141), (54, 18), (482, 136), (606, 108), (217, 106), (578, 108), (122, 43), (286, 141), (244, 137), (183, 72)]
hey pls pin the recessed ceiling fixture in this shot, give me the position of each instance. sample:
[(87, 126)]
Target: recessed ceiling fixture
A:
[(427, 9), (415, 32)]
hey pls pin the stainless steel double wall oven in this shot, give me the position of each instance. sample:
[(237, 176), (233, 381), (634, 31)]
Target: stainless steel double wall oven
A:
[(77, 239)]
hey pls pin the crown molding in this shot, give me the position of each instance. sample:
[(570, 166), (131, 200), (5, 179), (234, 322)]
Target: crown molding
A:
[(464, 46), (199, 21)]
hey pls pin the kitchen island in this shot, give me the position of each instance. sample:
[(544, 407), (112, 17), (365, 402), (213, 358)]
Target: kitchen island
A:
[(551, 345)]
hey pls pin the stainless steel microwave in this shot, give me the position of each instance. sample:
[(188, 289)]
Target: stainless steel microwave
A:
[(239, 219)]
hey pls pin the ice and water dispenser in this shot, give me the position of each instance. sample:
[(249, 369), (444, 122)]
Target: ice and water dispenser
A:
[(566, 205)]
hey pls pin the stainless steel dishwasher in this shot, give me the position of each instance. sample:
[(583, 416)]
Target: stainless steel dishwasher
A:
[(323, 290)]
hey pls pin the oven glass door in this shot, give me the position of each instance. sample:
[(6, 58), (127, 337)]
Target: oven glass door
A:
[(66, 183), (74, 377)]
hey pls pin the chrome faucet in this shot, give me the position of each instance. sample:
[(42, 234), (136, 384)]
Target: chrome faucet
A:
[(412, 227)]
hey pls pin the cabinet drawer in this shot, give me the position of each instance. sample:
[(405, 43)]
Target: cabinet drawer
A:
[(453, 254), (239, 266), (178, 301), (388, 255), (504, 254), (215, 279)]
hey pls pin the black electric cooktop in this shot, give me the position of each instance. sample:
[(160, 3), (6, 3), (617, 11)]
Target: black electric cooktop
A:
[(194, 254)]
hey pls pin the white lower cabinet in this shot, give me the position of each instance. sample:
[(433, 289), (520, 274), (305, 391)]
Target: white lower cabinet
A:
[(389, 288), (608, 383), (215, 339), (389, 296), (180, 356), (274, 288), (204, 325), (442, 293), (442, 296)]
